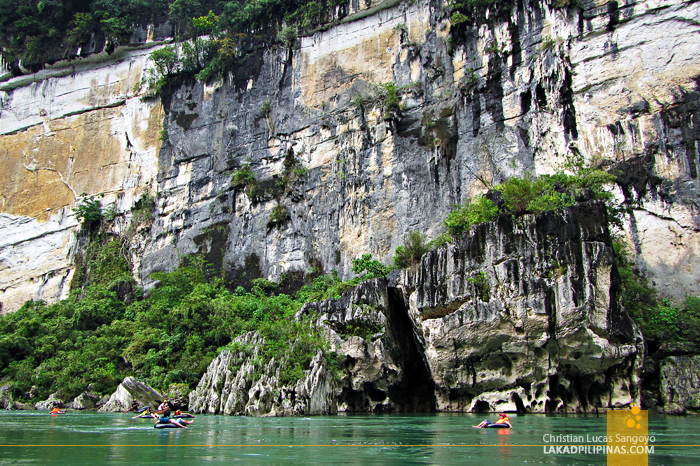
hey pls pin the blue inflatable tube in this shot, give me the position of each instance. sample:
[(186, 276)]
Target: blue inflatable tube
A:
[(166, 425)]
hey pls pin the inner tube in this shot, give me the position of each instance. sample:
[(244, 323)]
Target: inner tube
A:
[(166, 425), (497, 426), (184, 416), (142, 416)]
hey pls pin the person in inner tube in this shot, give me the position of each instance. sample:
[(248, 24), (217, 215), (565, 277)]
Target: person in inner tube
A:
[(164, 406), (165, 416), (165, 419), (503, 421)]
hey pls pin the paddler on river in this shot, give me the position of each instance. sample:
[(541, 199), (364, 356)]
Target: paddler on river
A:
[(55, 410)]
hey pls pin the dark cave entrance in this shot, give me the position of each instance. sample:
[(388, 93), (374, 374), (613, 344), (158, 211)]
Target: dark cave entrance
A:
[(416, 392)]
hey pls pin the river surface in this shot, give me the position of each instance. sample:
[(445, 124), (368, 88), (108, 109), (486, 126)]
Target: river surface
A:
[(36, 437)]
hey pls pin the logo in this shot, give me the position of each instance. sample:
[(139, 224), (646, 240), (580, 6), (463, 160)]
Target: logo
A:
[(628, 437)]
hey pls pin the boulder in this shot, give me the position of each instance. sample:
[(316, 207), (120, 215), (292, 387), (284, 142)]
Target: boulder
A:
[(85, 400), (178, 395), (102, 401), (129, 390), (52, 402), (680, 384), (6, 396), (22, 406)]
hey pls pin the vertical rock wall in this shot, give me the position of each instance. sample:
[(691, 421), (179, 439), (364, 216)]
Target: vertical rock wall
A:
[(74, 130), (526, 88), (524, 314)]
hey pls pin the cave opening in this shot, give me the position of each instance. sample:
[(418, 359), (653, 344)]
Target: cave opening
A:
[(416, 392)]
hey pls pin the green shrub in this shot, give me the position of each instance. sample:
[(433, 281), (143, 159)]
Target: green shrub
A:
[(392, 104), (483, 286), (363, 329), (288, 35), (552, 192), (441, 240), (244, 177), (197, 54), (534, 195), (474, 4), (205, 25), (166, 60), (473, 212), (325, 287), (458, 18), (143, 211), (89, 210), (415, 244), (547, 43), (563, 4), (266, 286), (519, 192), (300, 171), (372, 268), (279, 216), (550, 200)]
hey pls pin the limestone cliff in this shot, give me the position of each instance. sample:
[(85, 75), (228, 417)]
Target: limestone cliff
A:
[(63, 133), (521, 315), (525, 315), (522, 89)]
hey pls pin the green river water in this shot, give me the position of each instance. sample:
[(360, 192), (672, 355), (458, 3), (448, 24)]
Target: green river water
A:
[(35, 437)]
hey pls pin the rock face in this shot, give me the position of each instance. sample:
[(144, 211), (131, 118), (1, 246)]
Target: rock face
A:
[(380, 368), (234, 385), (524, 315), (131, 390), (66, 131), (680, 384), (522, 89), (521, 315)]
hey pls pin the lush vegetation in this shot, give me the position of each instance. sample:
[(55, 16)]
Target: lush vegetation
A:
[(35, 31), (664, 325), (89, 212), (107, 329), (517, 196), (278, 217)]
